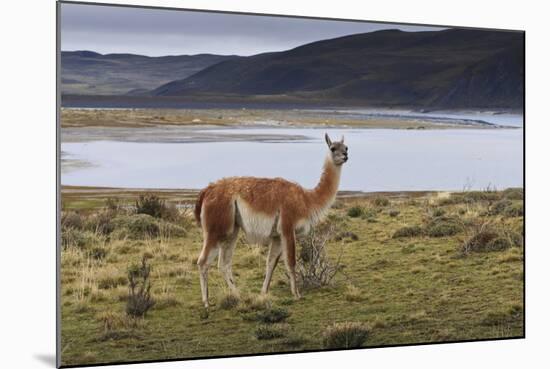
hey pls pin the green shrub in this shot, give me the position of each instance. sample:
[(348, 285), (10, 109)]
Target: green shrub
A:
[(139, 290), (438, 212), (98, 253), (101, 222), (490, 237), (469, 197), (499, 207), (171, 230), (443, 226), (269, 332), (72, 237), (157, 208), (380, 201), (229, 301), (113, 204), (408, 231), (507, 208), (345, 335), (345, 235), (370, 215), (393, 213), (503, 316), (109, 282), (451, 200), (71, 219), (514, 210), (272, 315), (355, 211), (499, 244), (476, 196), (136, 226), (170, 213), (513, 193), (150, 204)]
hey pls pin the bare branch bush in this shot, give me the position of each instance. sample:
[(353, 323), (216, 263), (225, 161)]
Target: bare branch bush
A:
[(139, 289), (314, 267)]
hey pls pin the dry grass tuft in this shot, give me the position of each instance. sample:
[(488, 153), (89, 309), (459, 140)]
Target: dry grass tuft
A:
[(345, 335), (271, 331), (229, 301), (353, 293)]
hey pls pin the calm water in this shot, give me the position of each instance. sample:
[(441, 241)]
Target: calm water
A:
[(441, 116), (380, 159)]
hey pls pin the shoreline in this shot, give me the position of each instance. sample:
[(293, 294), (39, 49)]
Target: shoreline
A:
[(268, 118)]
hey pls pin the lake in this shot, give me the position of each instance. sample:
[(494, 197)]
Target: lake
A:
[(380, 159)]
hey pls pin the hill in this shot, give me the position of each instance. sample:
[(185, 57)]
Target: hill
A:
[(454, 68), (91, 73)]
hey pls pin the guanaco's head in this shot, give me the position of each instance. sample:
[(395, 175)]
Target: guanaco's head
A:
[(338, 150)]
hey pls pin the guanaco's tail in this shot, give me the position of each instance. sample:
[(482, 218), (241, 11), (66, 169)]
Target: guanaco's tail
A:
[(198, 206)]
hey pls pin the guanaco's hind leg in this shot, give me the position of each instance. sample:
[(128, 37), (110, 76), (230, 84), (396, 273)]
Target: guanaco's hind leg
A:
[(218, 225), (273, 256), (209, 252), (226, 258), (289, 253)]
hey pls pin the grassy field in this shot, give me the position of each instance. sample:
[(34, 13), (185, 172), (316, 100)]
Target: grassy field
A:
[(409, 268), (132, 118)]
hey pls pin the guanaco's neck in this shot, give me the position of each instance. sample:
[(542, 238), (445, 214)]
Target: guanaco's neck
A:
[(324, 193)]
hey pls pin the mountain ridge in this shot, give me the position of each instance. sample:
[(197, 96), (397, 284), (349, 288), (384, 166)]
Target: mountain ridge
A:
[(88, 72), (450, 68)]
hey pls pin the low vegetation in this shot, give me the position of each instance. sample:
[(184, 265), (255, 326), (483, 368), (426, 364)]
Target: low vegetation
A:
[(394, 271), (408, 231), (314, 267), (271, 331), (229, 301), (345, 335), (139, 289), (489, 236)]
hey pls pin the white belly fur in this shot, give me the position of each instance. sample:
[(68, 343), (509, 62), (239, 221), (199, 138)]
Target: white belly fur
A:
[(257, 226), (260, 228)]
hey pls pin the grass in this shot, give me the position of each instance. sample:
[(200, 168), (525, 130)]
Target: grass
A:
[(409, 289)]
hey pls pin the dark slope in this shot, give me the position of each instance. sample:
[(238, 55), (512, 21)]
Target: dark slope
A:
[(451, 68), (91, 73)]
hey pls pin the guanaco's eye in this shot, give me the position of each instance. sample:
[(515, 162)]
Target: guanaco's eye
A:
[(332, 149)]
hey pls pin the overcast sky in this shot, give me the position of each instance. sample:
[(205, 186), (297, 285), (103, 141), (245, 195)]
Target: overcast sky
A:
[(155, 32)]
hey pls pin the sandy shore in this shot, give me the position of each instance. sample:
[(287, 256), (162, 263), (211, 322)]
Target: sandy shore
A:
[(134, 118)]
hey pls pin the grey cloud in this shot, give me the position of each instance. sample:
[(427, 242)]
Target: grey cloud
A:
[(109, 29)]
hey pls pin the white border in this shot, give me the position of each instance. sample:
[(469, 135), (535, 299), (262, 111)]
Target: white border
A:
[(27, 325)]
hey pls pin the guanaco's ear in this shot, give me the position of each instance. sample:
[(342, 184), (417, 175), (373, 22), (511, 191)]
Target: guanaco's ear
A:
[(342, 140), (327, 139)]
